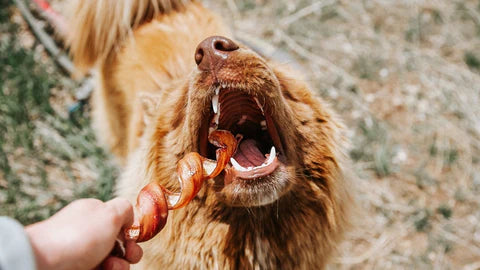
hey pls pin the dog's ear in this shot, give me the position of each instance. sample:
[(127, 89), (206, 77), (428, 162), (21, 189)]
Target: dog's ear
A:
[(95, 27)]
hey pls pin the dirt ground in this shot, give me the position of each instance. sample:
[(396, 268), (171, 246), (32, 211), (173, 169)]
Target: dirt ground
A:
[(404, 76)]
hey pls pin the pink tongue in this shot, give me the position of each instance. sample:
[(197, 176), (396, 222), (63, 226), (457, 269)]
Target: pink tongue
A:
[(248, 154)]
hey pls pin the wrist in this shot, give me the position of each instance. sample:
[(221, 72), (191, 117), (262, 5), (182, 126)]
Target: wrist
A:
[(45, 253)]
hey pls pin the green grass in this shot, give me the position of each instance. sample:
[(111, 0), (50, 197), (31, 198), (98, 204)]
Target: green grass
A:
[(422, 220), (367, 67), (445, 211), (472, 60), (374, 146), (40, 150)]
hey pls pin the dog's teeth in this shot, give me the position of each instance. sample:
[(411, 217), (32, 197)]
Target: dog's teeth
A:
[(216, 117), (264, 125), (271, 156), (217, 90), (237, 166), (215, 103)]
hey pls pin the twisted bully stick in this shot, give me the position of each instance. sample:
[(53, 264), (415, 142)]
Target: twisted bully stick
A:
[(154, 201)]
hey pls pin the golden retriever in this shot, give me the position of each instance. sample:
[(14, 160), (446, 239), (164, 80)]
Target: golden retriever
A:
[(167, 73)]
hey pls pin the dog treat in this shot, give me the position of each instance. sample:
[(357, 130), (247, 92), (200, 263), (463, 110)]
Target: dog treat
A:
[(154, 201)]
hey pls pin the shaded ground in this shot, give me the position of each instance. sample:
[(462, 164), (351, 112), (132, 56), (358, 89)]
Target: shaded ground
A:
[(403, 74)]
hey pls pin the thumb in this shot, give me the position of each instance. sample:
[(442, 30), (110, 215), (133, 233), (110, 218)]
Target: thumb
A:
[(122, 212)]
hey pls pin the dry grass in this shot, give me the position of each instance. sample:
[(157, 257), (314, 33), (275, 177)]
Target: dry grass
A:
[(405, 77)]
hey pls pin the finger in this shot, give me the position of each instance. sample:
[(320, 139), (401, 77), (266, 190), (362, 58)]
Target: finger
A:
[(133, 252), (122, 211), (115, 263)]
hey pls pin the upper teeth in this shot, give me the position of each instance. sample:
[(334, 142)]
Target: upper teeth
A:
[(216, 110), (264, 125), (215, 103), (271, 158)]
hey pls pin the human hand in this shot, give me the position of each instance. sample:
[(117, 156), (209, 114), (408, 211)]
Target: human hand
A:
[(81, 236)]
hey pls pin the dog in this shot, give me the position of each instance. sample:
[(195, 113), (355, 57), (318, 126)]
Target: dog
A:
[(167, 73)]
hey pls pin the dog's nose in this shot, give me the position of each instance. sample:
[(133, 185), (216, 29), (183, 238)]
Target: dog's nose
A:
[(212, 51)]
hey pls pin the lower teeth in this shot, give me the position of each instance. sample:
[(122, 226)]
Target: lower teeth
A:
[(268, 161)]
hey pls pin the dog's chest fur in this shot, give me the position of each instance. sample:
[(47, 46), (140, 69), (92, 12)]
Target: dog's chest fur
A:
[(271, 237)]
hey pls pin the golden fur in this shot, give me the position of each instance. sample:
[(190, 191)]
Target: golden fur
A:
[(149, 104)]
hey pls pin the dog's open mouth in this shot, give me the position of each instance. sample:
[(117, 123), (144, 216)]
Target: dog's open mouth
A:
[(259, 151)]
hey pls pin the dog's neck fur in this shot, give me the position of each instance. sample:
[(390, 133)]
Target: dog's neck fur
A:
[(288, 234)]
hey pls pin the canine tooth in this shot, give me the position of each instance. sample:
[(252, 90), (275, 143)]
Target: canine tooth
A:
[(272, 155), (215, 103), (216, 117), (217, 90), (237, 166)]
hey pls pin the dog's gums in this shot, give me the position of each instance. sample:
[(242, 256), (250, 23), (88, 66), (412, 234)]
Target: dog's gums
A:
[(154, 201), (260, 150)]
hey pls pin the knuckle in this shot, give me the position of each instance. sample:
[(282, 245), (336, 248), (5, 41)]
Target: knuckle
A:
[(119, 210), (114, 216)]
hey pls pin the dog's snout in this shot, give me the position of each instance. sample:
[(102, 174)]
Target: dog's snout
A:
[(213, 51)]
